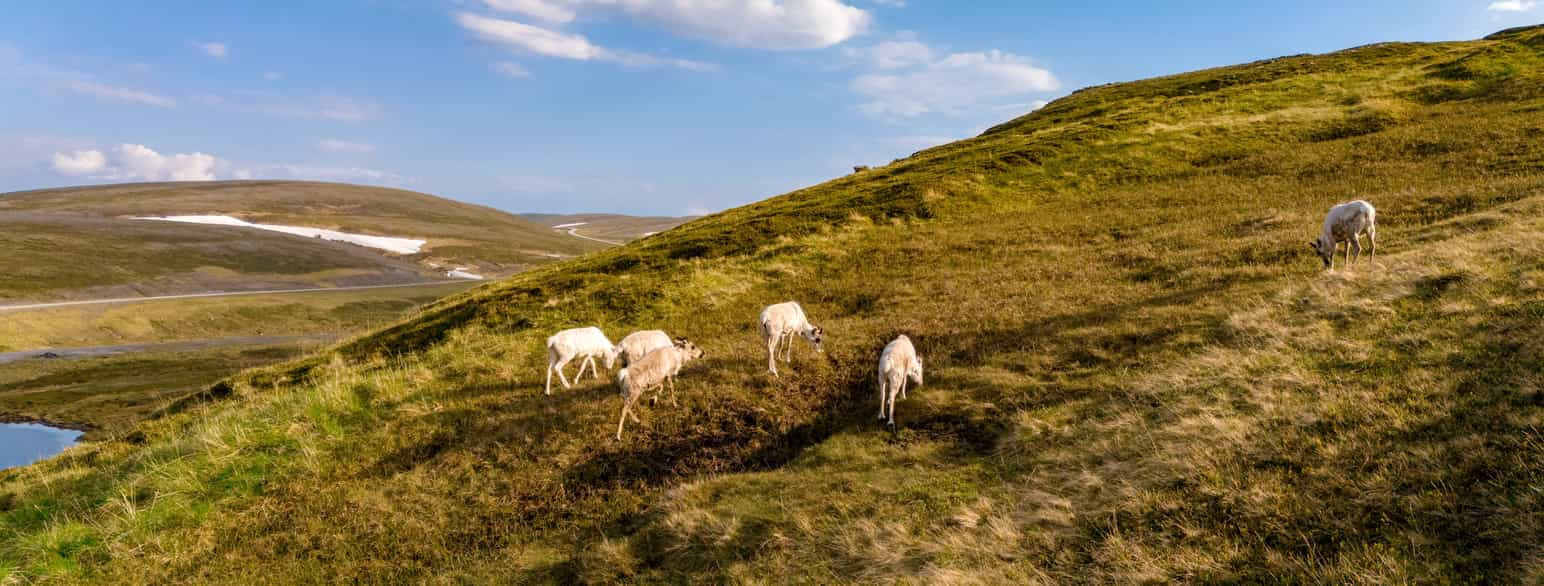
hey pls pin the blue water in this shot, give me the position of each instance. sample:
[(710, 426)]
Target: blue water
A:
[(25, 443)]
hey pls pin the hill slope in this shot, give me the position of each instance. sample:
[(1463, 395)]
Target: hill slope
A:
[(81, 243), (1136, 372)]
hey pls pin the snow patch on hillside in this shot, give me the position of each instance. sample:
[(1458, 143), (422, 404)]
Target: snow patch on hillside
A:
[(460, 273), (387, 243)]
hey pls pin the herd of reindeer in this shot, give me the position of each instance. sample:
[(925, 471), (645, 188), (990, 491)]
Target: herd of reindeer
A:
[(651, 359)]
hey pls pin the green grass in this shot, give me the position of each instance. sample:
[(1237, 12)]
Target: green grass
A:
[(1136, 373)]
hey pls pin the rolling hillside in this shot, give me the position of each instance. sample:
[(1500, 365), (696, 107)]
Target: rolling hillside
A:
[(81, 243), (1137, 372)]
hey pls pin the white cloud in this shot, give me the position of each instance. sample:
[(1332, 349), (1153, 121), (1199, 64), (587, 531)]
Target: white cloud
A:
[(891, 3), (114, 93), (540, 41), (333, 145), (138, 162), (273, 76), (1512, 6), (953, 84), (756, 24), (556, 12), (214, 49), (529, 38), (511, 69), (77, 163), (642, 60)]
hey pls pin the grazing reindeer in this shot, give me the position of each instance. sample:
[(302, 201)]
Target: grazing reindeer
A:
[(652, 372), (897, 364), (1346, 222), (779, 323), (638, 344), (586, 343)]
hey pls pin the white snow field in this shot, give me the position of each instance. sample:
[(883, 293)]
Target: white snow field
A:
[(460, 273), (387, 243)]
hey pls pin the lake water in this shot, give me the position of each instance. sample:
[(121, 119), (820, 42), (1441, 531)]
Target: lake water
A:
[(25, 443)]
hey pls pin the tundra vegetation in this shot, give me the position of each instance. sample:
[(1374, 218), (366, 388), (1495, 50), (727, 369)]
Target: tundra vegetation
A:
[(1136, 372)]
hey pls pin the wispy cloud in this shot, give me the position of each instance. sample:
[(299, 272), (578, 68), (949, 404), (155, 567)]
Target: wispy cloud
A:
[(1512, 6), (214, 49), (552, 11), (333, 145), (50, 78), (113, 93), (545, 42), (511, 69), (333, 107), (320, 173), (533, 39)]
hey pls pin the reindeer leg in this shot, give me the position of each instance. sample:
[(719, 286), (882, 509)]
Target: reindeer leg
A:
[(882, 385), (562, 362), (626, 406), (772, 354)]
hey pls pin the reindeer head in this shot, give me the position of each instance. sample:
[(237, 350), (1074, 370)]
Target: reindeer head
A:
[(687, 350), (815, 336), (1325, 249)]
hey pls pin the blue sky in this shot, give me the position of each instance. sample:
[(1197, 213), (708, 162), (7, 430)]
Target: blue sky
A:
[(633, 106)]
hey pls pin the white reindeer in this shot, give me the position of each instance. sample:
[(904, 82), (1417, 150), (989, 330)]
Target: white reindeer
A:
[(653, 371), (586, 343), (897, 363), (1346, 222), (638, 344), (779, 323)]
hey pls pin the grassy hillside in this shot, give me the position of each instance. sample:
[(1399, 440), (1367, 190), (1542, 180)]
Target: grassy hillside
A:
[(614, 227), (1137, 373), (79, 243)]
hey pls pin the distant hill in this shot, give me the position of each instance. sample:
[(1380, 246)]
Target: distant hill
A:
[(82, 242), (612, 227)]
